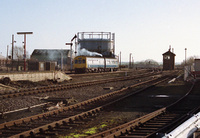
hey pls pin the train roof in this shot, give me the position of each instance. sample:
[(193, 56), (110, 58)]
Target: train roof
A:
[(94, 57)]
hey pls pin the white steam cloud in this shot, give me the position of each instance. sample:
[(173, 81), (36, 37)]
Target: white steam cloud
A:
[(85, 52)]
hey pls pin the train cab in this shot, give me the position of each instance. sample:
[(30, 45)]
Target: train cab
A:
[(80, 64)]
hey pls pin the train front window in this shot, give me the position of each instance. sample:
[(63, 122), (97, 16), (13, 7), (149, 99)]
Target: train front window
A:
[(76, 61), (79, 61)]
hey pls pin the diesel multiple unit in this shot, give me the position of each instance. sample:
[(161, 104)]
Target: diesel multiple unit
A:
[(84, 64)]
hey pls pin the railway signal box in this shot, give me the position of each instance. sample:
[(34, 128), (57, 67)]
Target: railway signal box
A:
[(168, 60)]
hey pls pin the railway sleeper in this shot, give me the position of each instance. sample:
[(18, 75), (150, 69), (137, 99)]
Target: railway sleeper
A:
[(64, 115), (11, 132), (18, 129), (144, 133), (153, 125), (39, 123), (57, 117), (71, 125), (148, 128), (160, 121), (79, 122), (87, 119), (4, 135), (156, 123), (29, 126), (62, 127), (168, 116), (144, 130), (165, 119), (59, 126), (46, 133), (51, 133), (134, 134), (131, 137)]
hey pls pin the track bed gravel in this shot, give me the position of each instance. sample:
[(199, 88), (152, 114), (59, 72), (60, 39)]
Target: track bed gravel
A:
[(133, 107), (78, 94), (122, 112)]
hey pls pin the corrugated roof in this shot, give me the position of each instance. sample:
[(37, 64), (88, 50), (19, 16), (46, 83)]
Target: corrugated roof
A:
[(50, 51), (50, 54)]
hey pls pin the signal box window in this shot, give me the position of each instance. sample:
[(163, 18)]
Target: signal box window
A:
[(167, 57)]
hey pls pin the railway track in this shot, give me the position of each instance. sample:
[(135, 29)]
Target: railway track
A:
[(108, 73), (48, 124), (2, 86), (159, 122), (53, 88)]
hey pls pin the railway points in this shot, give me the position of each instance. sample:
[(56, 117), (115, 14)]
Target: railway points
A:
[(95, 110)]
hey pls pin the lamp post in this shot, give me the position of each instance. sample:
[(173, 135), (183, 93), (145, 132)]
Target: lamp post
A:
[(70, 54), (13, 41), (24, 33), (185, 55), (130, 61), (61, 60), (75, 36)]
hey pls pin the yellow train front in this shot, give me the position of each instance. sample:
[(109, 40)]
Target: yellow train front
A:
[(84, 64)]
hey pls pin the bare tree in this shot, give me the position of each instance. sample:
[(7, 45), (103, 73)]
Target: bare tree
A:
[(18, 53), (189, 61)]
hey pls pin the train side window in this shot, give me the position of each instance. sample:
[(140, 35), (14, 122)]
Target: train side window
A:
[(83, 60)]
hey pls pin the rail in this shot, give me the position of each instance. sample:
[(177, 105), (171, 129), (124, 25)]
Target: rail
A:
[(76, 117), (53, 88), (153, 124)]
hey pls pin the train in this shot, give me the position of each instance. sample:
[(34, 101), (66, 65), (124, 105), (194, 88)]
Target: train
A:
[(86, 64)]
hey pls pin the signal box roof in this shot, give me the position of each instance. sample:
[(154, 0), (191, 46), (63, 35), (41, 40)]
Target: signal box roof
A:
[(169, 53)]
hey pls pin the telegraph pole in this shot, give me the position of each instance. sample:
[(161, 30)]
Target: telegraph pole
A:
[(7, 57), (75, 36), (12, 46), (24, 33), (7, 51), (13, 41), (120, 55), (132, 62)]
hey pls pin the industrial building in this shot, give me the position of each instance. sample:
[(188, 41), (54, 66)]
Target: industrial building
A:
[(60, 57), (99, 42), (3, 62)]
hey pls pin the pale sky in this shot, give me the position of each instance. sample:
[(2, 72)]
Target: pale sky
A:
[(144, 28)]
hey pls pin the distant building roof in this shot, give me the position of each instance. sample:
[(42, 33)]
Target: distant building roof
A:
[(49, 54), (50, 51)]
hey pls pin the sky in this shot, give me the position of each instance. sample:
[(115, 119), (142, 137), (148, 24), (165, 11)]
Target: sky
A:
[(144, 28)]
